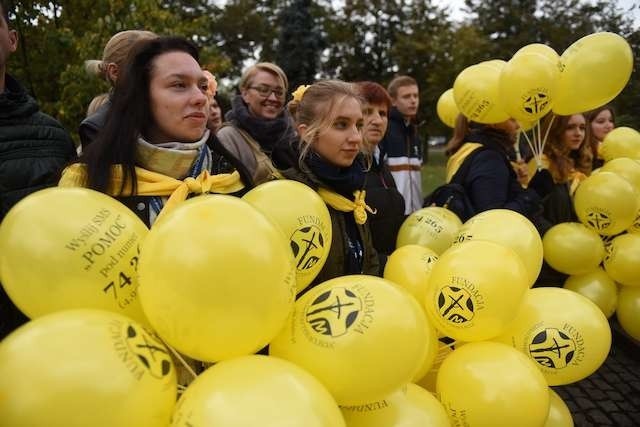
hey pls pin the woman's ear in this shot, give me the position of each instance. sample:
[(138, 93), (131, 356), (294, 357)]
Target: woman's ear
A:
[(302, 130), (112, 72)]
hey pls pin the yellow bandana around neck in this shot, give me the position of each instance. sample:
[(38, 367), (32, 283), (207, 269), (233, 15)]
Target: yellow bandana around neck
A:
[(155, 184), (341, 203)]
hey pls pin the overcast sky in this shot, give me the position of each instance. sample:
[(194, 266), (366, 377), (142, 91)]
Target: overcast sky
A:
[(456, 6)]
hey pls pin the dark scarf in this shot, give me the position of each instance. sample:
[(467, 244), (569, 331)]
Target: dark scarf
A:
[(269, 133), (343, 181)]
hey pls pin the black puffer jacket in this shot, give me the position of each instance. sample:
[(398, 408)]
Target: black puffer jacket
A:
[(33, 150)]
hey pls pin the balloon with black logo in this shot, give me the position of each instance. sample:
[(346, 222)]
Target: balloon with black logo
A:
[(565, 334), (433, 227), (304, 219), (488, 384), (257, 391), (622, 262), (410, 406), (475, 290), (361, 336), (78, 368), (65, 248)]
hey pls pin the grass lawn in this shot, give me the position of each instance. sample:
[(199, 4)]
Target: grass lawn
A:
[(433, 171)]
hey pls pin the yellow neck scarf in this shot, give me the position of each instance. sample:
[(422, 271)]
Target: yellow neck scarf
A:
[(155, 184), (455, 161), (342, 204)]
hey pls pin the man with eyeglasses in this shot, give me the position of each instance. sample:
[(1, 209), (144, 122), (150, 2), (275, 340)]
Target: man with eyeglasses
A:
[(258, 129)]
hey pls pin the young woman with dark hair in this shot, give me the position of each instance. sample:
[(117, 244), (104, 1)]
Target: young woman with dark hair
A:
[(155, 134), (600, 122)]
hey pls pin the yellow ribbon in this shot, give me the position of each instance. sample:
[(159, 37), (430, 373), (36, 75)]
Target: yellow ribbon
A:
[(358, 206), (155, 184)]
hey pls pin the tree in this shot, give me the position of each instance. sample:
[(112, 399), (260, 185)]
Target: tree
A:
[(299, 43)]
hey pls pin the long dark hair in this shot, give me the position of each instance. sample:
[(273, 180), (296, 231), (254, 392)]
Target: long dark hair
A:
[(562, 161), (130, 115), (590, 116)]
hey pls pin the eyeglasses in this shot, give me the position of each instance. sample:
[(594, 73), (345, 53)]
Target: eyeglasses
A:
[(265, 90)]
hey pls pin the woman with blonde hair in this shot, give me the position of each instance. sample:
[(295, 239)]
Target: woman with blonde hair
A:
[(329, 120), (108, 68)]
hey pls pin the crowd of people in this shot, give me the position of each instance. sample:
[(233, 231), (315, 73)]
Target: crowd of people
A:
[(355, 143)]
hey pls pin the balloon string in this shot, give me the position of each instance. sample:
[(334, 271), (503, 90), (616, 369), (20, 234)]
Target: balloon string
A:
[(546, 133), (517, 147), (181, 360), (533, 149), (539, 140)]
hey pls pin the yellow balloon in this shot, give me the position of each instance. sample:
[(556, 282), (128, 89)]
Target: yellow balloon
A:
[(598, 287), (627, 168), (475, 290), (488, 384), (628, 312), (65, 248), (447, 109), (635, 227), (216, 278), (597, 67), (251, 390), (559, 414), (410, 266), (433, 227), (572, 248), (606, 203), (476, 92), (510, 229), (562, 332), (540, 49), (412, 406), (361, 336), (528, 86), (430, 356), (527, 126), (621, 142), (303, 217), (78, 368), (622, 262)]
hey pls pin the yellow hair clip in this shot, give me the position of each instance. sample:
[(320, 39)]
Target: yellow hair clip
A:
[(299, 93)]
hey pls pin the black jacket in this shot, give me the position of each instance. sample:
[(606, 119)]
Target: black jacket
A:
[(34, 148), (91, 125), (384, 197)]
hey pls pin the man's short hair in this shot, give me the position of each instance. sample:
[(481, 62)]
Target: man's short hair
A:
[(398, 82)]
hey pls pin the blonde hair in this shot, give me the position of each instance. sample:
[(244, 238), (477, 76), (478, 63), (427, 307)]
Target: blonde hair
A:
[(271, 68), (116, 51), (97, 102), (317, 109)]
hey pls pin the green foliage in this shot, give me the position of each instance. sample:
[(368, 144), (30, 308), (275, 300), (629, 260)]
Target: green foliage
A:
[(352, 40)]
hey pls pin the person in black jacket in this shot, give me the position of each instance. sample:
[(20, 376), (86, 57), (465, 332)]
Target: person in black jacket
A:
[(490, 181), (155, 132), (329, 120), (382, 193), (34, 148)]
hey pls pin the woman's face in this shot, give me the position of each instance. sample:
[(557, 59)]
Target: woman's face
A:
[(376, 118), (340, 142), (264, 95), (602, 124), (215, 116), (574, 132), (178, 99)]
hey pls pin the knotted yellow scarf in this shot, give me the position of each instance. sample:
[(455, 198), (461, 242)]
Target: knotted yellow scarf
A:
[(155, 184), (341, 203)]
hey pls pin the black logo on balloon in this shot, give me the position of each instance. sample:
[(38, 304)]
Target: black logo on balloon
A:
[(307, 244), (598, 220), (150, 351), (535, 103), (334, 311), (552, 348), (455, 304)]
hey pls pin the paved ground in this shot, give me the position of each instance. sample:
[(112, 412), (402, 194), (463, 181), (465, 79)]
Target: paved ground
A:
[(611, 396)]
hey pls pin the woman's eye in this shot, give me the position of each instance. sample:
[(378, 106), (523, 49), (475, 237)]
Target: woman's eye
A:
[(178, 85)]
